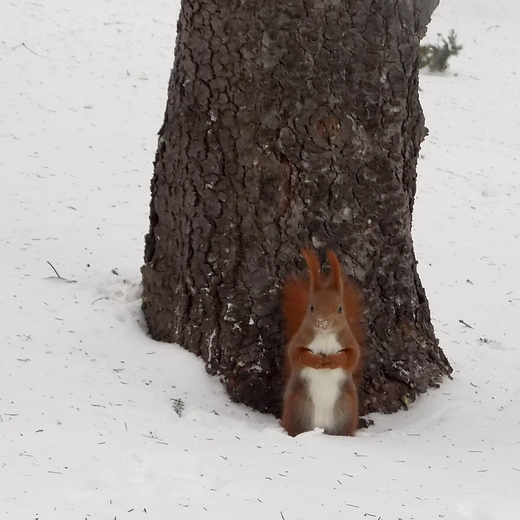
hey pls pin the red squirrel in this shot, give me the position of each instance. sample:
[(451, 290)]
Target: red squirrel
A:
[(324, 334)]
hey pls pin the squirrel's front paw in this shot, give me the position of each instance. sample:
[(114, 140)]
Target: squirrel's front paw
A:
[(326, 361)]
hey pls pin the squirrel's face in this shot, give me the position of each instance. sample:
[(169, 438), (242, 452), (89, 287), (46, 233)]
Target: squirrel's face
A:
[(326, 313)]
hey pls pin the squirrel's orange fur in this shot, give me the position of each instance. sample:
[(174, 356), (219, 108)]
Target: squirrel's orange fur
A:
[(321, 312)]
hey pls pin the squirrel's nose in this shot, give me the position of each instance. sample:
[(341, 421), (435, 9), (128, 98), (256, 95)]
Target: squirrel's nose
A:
[(323, 323)]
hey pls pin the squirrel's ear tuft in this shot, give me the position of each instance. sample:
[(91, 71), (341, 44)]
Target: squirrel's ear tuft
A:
[(335, 268), (311, 258)]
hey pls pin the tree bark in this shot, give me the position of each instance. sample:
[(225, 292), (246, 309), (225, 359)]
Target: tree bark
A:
[(290, 123)]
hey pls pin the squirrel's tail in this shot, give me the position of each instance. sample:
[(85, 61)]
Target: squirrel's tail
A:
[(294, 303)]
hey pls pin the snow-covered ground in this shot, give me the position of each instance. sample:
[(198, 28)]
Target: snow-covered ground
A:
[(88, 421)]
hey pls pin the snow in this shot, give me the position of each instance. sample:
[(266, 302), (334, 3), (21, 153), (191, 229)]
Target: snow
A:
[(89, 427)]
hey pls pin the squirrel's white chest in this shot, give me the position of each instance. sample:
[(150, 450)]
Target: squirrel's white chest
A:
[(324, 388), (325, 344)]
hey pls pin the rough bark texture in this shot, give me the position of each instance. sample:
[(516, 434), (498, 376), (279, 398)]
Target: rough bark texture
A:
[(290, 123)]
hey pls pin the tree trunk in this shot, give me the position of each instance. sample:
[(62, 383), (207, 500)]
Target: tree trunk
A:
[(290, 123)]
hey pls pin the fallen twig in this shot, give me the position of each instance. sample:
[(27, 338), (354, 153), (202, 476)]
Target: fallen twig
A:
[(97, 299), (465, 324), (23, 45), (58, 275)]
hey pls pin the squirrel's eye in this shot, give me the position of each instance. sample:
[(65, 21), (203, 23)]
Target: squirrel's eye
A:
[(311, 308), (340, 309)]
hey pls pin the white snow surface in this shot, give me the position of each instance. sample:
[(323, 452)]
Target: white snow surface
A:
[(88, 428)]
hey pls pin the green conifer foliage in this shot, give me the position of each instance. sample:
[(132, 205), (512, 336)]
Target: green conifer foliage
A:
[(436, 57)]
